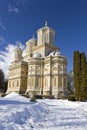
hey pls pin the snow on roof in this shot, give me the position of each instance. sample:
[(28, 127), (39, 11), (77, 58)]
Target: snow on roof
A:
[(37, 55)]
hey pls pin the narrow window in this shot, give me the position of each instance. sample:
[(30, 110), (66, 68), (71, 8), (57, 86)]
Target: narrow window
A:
[(17, 83), (54, 81)]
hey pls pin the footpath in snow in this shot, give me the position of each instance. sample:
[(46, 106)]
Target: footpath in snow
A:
[(65, 115), (17, 113)]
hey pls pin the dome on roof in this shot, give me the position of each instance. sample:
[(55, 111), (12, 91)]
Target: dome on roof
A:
[(31, 40), (46, 27), (17, 49), (37, 55)]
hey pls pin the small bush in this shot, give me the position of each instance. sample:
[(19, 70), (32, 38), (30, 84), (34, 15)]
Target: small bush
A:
[(33, 99), (38, 96), (51, 97), (71, 98), (45, 97)]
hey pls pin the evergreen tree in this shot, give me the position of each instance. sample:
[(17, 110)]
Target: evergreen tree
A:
[(86, 80), (83, 74), (80, 75), (5, 85), (2, 79), (77, 74)]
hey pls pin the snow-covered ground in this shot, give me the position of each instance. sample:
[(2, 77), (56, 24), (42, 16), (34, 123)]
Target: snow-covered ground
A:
[(17, 113)]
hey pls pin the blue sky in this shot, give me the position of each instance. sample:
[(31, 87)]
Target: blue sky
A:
[(20, 19)]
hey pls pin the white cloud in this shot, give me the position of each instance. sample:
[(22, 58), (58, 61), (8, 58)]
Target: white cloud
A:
[(13, 9), (2, 40), (6, 57), (2, 26)]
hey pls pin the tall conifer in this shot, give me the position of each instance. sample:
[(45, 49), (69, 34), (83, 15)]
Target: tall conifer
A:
[(80, 75), (76, 69), (86, 80), (2, 79), (83, 74)]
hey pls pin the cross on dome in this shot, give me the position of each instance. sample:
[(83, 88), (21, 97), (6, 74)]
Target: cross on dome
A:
[(18, 45), (45, 23)]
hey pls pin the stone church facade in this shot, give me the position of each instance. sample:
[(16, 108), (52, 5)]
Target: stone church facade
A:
[(43, 70)]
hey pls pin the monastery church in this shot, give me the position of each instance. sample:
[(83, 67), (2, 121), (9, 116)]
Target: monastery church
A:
[(43, 69)]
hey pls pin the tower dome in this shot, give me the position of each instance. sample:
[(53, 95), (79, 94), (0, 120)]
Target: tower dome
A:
[(18, 53), (32, 40), (46, 35), (29, 45)]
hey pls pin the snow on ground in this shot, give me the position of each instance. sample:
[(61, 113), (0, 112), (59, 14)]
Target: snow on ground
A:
[(15, 96), (17, 113)]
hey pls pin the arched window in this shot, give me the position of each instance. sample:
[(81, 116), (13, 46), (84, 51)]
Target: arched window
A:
[(45, 37), (13, 83), (23, 82), (60, 81), (17, 83)]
